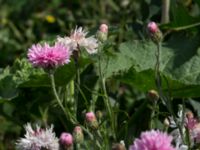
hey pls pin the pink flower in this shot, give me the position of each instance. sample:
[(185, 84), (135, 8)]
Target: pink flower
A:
[(77, 129), (46, 56), (90, 117), (103, 28), (152, 27), (153, 140), (66, 139)]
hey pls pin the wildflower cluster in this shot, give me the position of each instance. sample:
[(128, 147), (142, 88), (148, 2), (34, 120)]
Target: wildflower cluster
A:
[(48, 57)]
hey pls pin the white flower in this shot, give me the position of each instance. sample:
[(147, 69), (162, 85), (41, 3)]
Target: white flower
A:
[(78, 39), (38, 139)]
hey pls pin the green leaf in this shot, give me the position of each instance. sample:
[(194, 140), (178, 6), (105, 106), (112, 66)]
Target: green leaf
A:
[(63, 75), (8, 89), (179, 65)]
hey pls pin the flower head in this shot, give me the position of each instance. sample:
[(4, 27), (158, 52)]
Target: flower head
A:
[(66, 139), (103, 28), (102, 34), (46, 56), (153, 140), (152, 27), (153, 95), (90, 116), (154, 32), (38, 139), (91, 120), (78, 39)]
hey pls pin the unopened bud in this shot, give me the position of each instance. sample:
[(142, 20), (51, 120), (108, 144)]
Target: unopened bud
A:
[(153, 95), (119, 146), (152, 27), (91, 120), (78, 135), (99, 115), (166, 122), (189, 115), (66, 141), (102, 34), (103, 28), (154, 32)]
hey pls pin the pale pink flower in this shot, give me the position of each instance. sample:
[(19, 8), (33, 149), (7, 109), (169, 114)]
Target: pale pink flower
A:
[(152, 27), (103, 28), (38, 139), (46, 56), (90, 117), (78, 39), (66, 139), (77, 129), (153, 140)]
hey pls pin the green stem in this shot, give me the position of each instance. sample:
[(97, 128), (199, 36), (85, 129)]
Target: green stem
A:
[(65, 110), (165, 99), (153, 115), (106, 99), (77, 89)]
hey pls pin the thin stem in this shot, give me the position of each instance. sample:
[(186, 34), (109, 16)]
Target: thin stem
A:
[(77, 89), (153, 115), (106, 99), (165, 99), (65, 110), (165, 11)]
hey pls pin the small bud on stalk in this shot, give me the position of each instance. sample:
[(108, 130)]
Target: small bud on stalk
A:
[(153, 95), (154, 32), (166, 122), (102, 34), (66, 141), (78, 135), (91, 120), (99, 115)]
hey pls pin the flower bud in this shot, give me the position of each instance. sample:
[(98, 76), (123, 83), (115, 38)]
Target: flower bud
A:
[(166, 122), (66, 141), (78, 135), (91, 120), (103, 28), (152, 27), (102, 34), (154, 32), (99, 115), (153, 95), (119, 146), (189, 115)]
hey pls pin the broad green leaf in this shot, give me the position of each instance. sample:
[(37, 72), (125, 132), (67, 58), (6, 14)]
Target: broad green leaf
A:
[(179, 64)]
